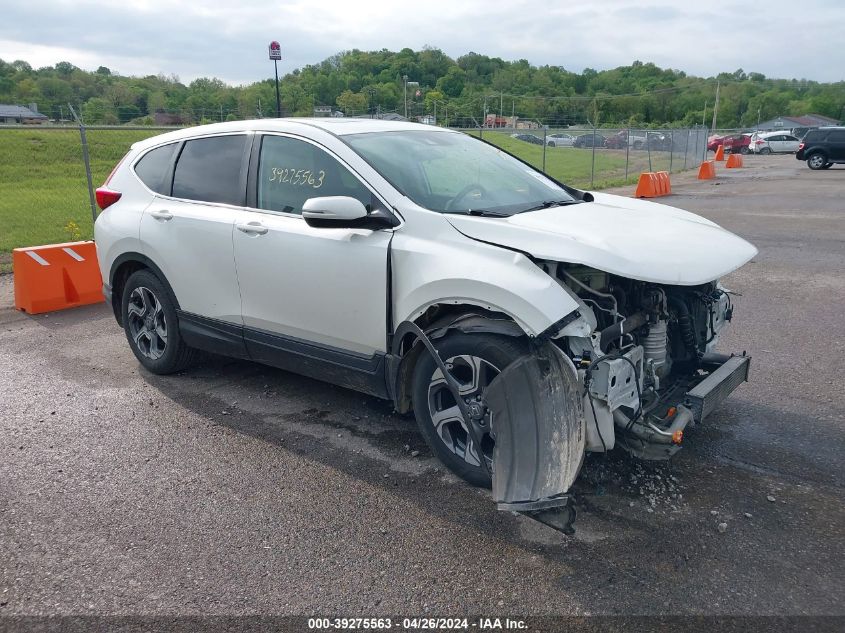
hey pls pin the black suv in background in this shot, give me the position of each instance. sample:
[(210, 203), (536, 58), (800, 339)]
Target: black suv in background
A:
[(823, 147)]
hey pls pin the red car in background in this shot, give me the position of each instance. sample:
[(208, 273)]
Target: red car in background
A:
[(733, 144)]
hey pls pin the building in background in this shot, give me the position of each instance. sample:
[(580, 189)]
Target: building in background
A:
[(15, 115), (795, 122)]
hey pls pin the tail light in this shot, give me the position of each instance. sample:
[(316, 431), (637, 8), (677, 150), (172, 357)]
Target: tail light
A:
[(107, 197), (760, 142), (801, 145)]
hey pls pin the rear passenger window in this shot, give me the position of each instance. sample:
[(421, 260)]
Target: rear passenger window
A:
[(291, 171), (209, 169), (153, 167), (837, 136)]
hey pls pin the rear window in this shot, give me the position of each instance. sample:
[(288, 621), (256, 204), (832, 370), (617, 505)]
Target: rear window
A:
[(813, 136), (153, 167), (209, 170)]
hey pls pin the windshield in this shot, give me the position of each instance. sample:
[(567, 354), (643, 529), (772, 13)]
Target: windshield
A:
[(451, 172)]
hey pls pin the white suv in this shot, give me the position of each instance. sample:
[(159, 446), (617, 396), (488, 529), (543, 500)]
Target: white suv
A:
[(428, 267)]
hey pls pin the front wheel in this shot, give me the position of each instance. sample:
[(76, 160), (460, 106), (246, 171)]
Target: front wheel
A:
[(816, 161), (474, 360), (765, 150), (151, 325)]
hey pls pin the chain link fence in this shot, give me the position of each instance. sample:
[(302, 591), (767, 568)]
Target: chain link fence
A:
[(44, 196), (596, 158)]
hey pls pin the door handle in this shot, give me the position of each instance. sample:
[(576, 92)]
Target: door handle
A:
[(162, 215), (252, 228)]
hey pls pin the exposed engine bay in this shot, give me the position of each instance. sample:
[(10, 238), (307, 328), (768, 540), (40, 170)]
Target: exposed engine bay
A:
[(648, 366)]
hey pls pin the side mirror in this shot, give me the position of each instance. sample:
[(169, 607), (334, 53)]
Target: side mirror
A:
[(344, 212), (339, 209)]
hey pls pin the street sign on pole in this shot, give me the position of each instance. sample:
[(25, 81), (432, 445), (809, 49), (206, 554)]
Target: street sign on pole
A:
[(275, 50)]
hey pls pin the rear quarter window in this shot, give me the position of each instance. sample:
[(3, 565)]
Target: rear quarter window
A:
[(154, 166), (814, 137)]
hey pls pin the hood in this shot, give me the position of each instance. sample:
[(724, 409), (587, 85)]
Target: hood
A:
[(622, 236)]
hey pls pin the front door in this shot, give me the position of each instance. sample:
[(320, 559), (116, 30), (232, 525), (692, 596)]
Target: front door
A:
[(317, 294)]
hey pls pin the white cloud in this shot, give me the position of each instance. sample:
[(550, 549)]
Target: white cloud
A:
[(219, 38)]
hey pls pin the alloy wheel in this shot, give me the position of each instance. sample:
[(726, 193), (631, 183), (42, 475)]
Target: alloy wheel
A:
[(147, 324), (473, 375)]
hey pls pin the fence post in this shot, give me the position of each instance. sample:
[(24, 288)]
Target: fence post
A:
[(86, 159), (648, 148), (671, 148), (627, 153), (593, 166), (686, 150), (545, 131)]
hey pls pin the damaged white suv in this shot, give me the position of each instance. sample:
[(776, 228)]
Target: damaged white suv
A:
[(523, 321)]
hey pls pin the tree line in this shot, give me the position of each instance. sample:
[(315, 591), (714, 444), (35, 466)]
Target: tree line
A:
[(462, 90)]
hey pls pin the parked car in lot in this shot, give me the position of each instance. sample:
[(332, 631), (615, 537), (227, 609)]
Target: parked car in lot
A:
[(733, 144), (823, 147), (616, 141), (523, 321), (528, 138), (560, 140), (773, 143), (589, 140)]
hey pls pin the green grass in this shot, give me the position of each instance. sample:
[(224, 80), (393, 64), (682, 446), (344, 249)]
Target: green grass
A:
[(43, 185), (572, 165)]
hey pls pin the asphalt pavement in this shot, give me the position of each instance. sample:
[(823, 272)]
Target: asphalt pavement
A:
[(234, 488)]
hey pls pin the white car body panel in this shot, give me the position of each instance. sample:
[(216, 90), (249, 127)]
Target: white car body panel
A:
[(194, 251), (327, 286), (631, 238), (458, 270)]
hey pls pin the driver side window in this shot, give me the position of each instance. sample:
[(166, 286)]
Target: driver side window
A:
[(291, 171)]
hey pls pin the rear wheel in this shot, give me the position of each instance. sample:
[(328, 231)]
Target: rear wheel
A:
[(151, 325), (816, 161), (744, 150), (474, 360), (766, 150)]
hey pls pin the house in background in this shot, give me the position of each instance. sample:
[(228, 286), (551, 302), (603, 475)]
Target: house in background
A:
[(793, 122), (15, 115)]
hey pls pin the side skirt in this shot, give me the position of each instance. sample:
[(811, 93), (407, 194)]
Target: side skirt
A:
[(366, 374)]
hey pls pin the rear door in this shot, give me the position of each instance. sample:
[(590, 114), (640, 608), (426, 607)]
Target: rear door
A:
[(790, 143), (187, 229)]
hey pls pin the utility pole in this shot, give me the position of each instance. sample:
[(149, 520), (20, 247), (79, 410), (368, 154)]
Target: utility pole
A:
[(500, 105), (716, 106), (704, 114), (405, 78)]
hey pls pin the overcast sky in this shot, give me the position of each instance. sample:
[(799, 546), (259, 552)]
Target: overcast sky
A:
[(228, 39)]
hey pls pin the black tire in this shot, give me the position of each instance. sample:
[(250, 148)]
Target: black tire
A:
[(766, 150), (827, 165), (153, 312), (497, 352), (744, 150), (816, 160), (638, 144)]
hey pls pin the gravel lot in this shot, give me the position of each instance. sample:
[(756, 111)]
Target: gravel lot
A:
[(240, 489)]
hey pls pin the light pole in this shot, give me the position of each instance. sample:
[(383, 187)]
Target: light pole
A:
[(408, 83), (276, 55)]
